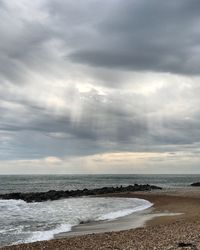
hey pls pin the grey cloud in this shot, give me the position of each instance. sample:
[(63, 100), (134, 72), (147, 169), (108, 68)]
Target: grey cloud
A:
[(108, 38), (107, 123), (26, 44), (135, 36), (101, 126), (146, 36)]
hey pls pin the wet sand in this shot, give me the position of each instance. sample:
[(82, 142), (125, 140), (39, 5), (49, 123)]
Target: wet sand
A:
[(165, 232)]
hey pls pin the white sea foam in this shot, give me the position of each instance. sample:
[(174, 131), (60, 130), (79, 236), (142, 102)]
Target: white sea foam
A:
[(49, 234), (125, 212), (12, 203), (29, 222)]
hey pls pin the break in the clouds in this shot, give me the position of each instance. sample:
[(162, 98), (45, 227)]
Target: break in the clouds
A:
[(99, 86)]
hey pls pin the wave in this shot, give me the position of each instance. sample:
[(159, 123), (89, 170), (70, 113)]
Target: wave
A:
[(47, 235), (65, 215), (14, 230), (12, 202), (125, 212)]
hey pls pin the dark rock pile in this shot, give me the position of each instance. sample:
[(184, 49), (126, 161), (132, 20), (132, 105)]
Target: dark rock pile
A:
[(195, 184), (55, 195)]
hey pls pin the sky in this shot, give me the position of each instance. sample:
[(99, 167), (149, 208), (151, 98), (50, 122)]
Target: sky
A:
[(98, 86)]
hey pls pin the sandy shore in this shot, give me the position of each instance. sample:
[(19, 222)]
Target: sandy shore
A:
[(168, 232)]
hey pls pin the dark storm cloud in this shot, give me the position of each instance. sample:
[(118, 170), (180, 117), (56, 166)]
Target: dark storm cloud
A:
[(146, 36), (26, 43), (132, 35)]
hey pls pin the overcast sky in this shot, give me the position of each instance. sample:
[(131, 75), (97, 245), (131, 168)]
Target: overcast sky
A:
[(99, 86)]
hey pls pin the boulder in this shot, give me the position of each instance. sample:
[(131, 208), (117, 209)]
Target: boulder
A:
[(195, 184)]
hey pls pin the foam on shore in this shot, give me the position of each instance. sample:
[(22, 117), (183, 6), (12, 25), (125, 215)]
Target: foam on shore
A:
[(121, 213), (30, 222)]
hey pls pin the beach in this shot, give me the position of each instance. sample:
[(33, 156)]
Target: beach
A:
[(178, 230)]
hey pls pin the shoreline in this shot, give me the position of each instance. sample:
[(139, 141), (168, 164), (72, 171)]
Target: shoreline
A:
[(178, 228), (134, 220)]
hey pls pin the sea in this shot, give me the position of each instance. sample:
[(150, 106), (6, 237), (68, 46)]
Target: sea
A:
[(22, 222)]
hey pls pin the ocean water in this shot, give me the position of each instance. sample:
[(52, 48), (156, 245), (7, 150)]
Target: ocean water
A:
[(40, 183), (27, 222)]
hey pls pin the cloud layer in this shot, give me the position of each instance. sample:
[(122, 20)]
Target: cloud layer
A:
[(92, 78)]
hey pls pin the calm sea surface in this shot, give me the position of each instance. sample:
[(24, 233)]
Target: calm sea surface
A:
[(37, 183)]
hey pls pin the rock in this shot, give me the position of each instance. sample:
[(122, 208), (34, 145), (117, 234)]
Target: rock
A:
[(195, 184), (56, 195), (183, 244)]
